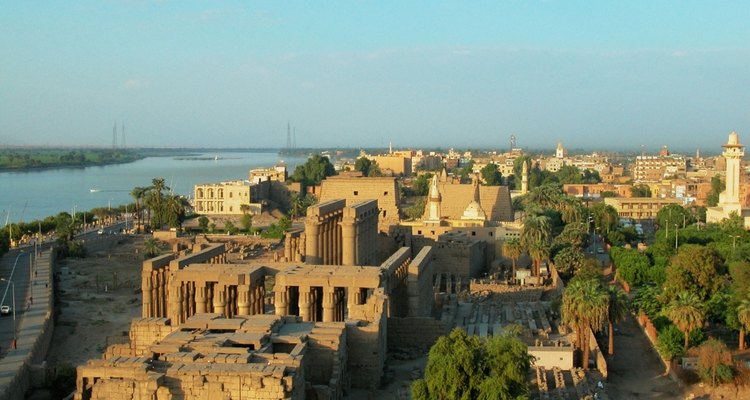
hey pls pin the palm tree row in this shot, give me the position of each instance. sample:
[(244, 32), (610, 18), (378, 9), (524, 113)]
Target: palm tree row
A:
[(164, 209), (586, 304)]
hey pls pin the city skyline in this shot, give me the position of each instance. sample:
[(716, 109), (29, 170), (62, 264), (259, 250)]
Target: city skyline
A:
[(607, 75)]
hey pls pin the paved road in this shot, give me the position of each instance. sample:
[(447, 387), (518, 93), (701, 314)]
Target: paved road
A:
[(17, 266)]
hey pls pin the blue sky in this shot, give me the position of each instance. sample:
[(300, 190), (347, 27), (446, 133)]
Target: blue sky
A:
[(599, 75)]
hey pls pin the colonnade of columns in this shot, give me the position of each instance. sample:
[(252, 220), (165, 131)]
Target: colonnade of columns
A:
[(189, 298), (323, 239), (154, 289), (359, 228), (452, 283), (294, 245), (326, 304)]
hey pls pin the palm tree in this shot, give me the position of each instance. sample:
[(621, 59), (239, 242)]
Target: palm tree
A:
[(686, 312), (584, 306), (570, 209), (743, 316), (616, 312), (138, 194), (536, 228), (538, 251), (175, 207), (151, 246), (512, 249)]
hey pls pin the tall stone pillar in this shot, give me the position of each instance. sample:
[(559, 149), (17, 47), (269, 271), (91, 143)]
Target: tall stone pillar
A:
[(305, 303), (280, 301), (219, 300), (329, 303), (312, 239), (348, 236), (146, 287), (260, 299), (244, 299), (200, 297)]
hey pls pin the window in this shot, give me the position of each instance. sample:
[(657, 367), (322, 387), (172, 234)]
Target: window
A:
[(356, 193), (419, 232), (385, 193), (473, 233)]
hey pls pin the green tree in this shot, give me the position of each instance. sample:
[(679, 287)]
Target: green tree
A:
[(717, 186), (584, 306), (696, 269), (632, 266), (568, 261), (674, 214), (617, 310), (464, 367), (247, 222), (151, 247), (715, 363), (421, 185), (605, 218), (367, 167), (743, 317), (512, 249), (491, 175), (570, 209), (573, 234), (139, 194), (313, 171), (686, 312), (203, 223), (416, 211), (229, 227), (569, 174), (640, 191)]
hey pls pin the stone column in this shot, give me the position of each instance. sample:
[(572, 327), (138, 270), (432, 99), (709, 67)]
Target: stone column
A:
[(305, 303), (329, 303), (219, 301), (312, 251), (280, 301), (244, 299), (146, 288), (260, 299), (200, 297)]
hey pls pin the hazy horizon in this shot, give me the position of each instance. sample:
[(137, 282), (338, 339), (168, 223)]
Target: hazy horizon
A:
[(601, 76)]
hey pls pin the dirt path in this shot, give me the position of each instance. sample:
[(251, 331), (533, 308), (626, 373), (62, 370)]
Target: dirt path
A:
[(635, 370)]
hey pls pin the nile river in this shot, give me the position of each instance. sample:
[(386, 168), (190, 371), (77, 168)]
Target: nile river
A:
[(36, 194)]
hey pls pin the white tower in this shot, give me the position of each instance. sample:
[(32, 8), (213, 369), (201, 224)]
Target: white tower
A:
[(729, 199), (433, 202), (525, 178), (560, 151)]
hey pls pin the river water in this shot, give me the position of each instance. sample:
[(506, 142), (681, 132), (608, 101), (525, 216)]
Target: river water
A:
[(27, 196)]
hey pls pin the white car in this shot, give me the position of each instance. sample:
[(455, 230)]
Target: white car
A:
[(5, 310)]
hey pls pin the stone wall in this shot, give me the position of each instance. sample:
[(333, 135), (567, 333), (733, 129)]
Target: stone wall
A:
[(415, 332), (419, 281), (353, 190), (367, 341), (461, 259)]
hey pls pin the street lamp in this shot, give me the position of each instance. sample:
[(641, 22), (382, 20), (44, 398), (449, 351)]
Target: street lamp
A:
[(734, 241), (675, 236), (13, 293)]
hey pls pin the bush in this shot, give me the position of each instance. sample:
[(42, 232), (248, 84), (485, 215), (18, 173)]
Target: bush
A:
[(669, 342)]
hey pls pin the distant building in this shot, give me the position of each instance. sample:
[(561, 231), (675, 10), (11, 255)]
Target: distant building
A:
[(638, 208), (655, 168), (225, 198)]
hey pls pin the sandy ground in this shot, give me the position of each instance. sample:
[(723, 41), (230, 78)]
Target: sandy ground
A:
[(99, 296)]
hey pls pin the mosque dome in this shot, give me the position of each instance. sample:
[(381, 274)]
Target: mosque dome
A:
[(474, 211)]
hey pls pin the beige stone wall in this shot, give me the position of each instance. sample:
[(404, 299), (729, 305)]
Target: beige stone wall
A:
[(460, 259), (415, 332), (355, 190), (367, 341), (495, 200), (394, 164), (420, 288), (506, 293), (552, 356)]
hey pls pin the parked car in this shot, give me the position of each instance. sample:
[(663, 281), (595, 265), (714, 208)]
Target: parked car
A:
[(5, 310)]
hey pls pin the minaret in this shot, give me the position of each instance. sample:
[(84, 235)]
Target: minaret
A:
[(433, 202), (560, 151), (729, 199), (525, 178)]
